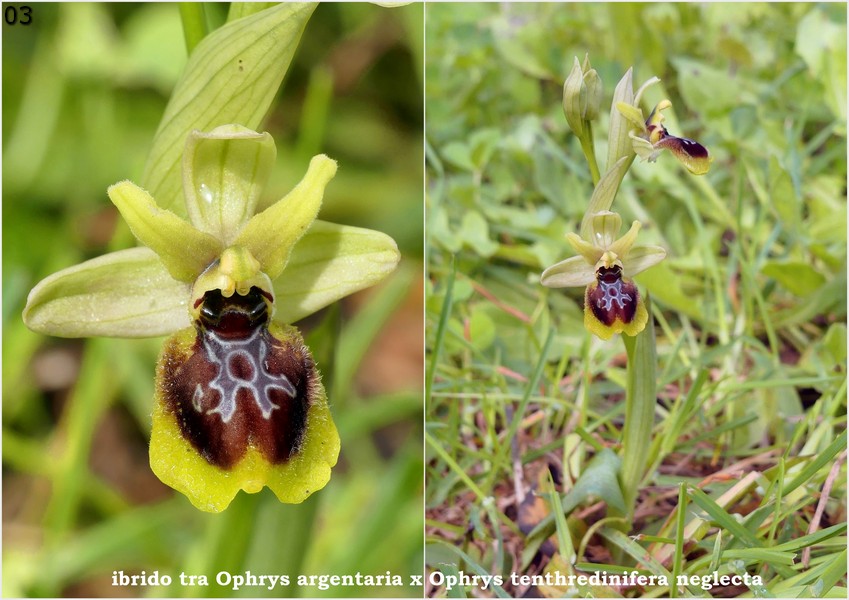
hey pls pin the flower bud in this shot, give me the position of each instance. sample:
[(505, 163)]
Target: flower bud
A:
[(575, 98), (594, 93)]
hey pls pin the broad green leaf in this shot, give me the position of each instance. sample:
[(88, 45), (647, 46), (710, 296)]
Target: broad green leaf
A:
[(640, 402), (709, 89), (798, 277), (475, 232), (821, 43), (459, 155), (224, 172), (271, 234), (331, 261), (482, 331), (184, 250), (482, 144), (231, 77), (123, 294)]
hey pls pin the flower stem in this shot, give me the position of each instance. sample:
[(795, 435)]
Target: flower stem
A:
[(640, 400), (586, 139), (194, 24)]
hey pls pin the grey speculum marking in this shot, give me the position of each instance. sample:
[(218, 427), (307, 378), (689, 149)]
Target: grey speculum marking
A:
[(241, 366)]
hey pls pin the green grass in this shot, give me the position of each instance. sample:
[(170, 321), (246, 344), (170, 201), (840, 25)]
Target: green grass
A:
[(84, 90), (745, 470)]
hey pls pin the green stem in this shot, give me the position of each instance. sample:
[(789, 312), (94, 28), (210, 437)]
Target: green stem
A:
[(194, 24), (445, 313), (640, 399), (588, 147)]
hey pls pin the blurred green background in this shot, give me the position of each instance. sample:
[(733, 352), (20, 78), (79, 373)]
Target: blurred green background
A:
[(84, 87), (750, 304)]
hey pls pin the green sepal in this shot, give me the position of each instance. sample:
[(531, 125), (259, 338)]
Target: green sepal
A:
[(184, 250), (572, 272), (232, 76), (127, 293), (271, 234), (641, 258), (224, 172), (330, 262)]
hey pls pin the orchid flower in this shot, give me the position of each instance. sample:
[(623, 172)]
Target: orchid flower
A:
[(239, 401), (605, 265)]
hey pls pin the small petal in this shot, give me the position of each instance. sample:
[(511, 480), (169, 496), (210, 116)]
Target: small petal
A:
[(633, 114), (588, 250), (224, 172), (271, 234), (279, 434), (692, 154), (572, 272), (622, 246), (185, 251), (123, 294), (330, 262)]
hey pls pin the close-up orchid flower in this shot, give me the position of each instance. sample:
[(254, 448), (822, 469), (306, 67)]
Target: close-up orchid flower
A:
[(239, 402), (605, 264), (649, 138)]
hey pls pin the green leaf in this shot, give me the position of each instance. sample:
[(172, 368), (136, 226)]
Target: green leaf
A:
[(599, 480), (232, 77), (640, 402), (475, 232), (821, 43), (798, 277), (123, 294), (331, 261), (459, 154)]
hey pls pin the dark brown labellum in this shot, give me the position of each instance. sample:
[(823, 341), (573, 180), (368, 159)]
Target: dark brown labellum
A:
[(612, 298), (239, 385), (691, 148)]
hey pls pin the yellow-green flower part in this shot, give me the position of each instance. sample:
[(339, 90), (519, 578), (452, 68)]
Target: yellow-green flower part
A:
[(605, 264), (650, 137), (239, 402)]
